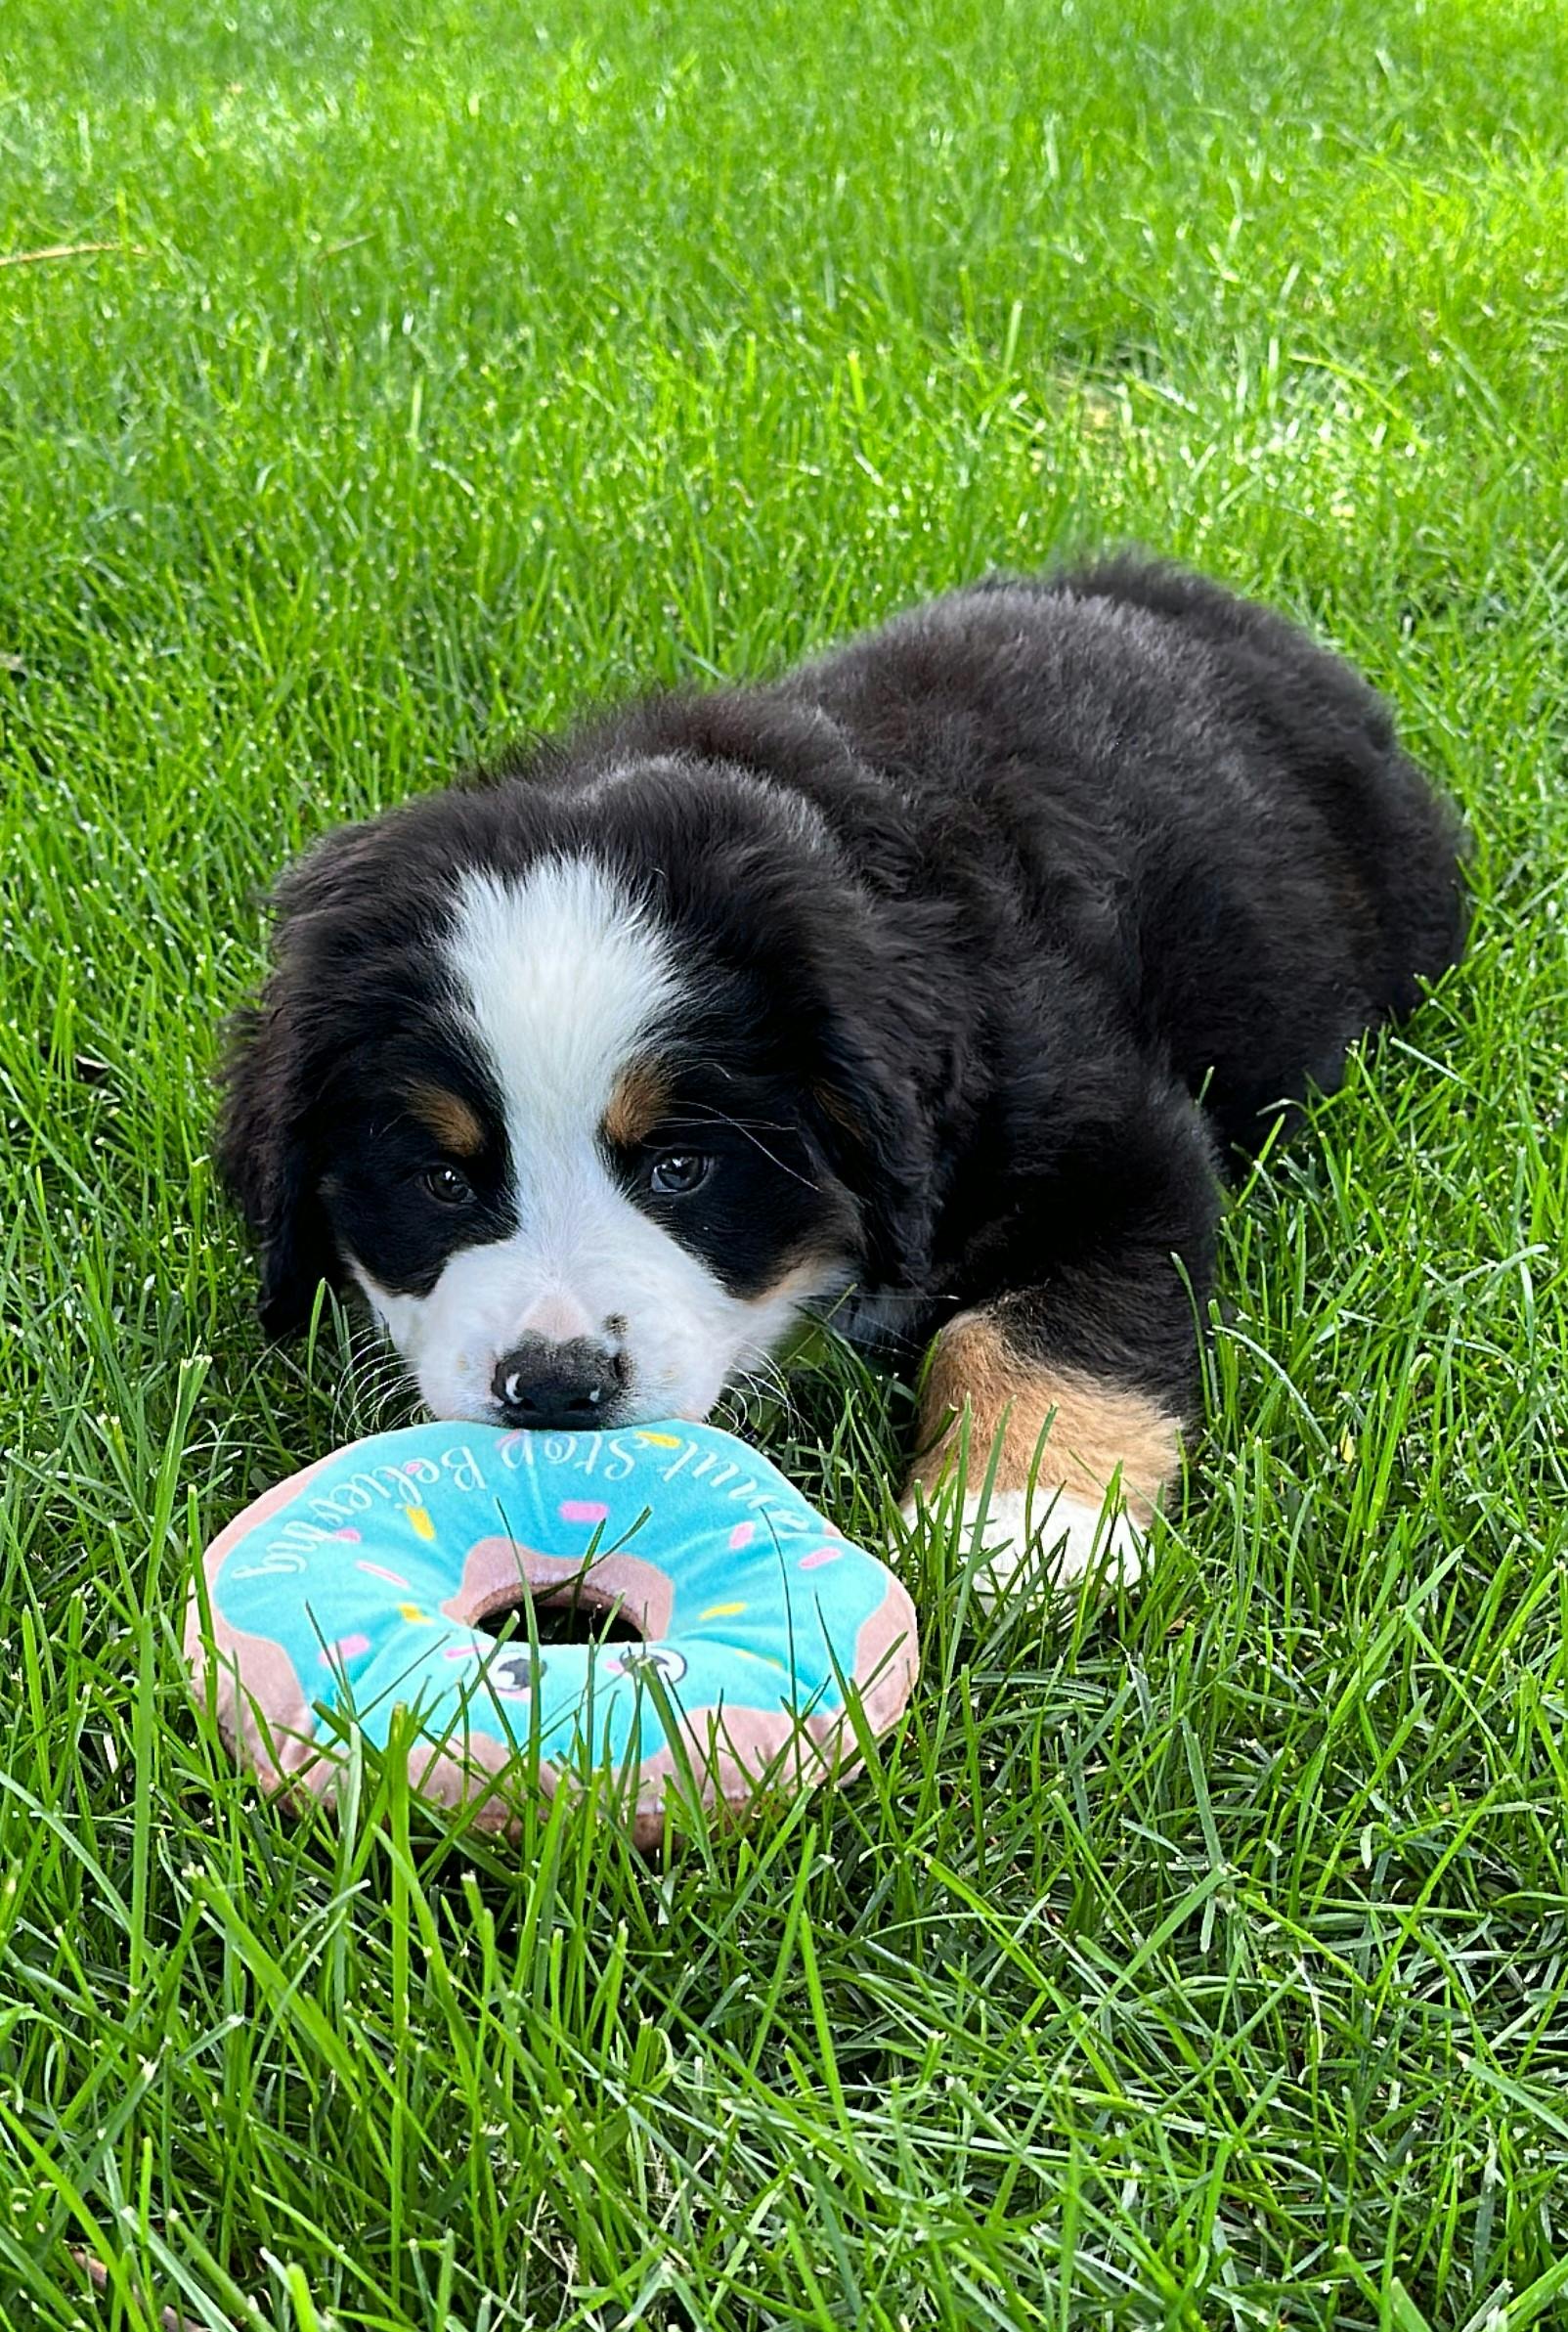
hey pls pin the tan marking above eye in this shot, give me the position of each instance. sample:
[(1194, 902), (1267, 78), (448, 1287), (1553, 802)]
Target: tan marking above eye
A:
[(1096, 1430), (639, 1100), (456, 1126)]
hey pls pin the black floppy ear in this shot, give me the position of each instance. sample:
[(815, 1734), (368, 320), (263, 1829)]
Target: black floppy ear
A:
[(878, 1143), (277, 1064), (866, 1019), (266, 1165)]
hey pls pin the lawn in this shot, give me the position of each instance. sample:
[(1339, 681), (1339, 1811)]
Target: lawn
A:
[(430, 367)]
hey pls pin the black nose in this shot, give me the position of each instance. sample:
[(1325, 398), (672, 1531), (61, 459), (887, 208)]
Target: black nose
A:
[(542, 1383)]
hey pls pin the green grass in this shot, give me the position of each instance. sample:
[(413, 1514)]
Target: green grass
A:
[(451, 363)]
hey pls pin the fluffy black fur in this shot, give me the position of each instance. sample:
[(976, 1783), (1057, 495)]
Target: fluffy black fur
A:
[(1012, 915)]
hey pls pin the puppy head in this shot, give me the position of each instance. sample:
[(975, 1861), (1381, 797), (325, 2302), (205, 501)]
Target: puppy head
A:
[(564, 1088)]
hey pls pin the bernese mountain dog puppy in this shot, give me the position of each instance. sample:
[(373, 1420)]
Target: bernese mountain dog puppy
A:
[(928, 987)]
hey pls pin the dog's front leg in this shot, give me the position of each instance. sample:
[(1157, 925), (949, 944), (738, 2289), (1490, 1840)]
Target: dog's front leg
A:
[(1055, 1413), (1061, 1470)]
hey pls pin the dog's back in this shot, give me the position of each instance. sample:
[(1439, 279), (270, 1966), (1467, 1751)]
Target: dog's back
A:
[(1180, 785)]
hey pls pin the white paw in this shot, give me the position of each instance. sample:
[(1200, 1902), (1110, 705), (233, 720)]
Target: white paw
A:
[(1043, 1538)]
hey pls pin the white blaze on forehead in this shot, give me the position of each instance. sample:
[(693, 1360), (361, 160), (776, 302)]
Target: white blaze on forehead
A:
[(562, 975)]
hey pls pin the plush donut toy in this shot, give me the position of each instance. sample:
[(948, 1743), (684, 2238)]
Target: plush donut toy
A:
[(365, 1582)]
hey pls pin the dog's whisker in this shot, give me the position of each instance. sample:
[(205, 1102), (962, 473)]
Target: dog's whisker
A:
[(751, 1128)]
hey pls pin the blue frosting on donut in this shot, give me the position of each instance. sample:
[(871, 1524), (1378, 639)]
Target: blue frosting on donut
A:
[(369, 1570)]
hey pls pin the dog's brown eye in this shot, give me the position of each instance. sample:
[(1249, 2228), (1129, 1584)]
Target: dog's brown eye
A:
[(444, 1182), (678, 1171)]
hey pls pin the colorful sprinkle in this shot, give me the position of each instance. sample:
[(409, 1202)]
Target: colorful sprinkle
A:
[(583, 1509), (420, 1516), (661, 1440), (812, 1563), (460, 1651), (743, 1534), (347, 1648), (413, 1615), (378, 1571), (721, 1611), (352, 1535)]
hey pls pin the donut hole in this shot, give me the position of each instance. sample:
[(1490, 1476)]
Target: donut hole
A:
[(561, 1616)]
